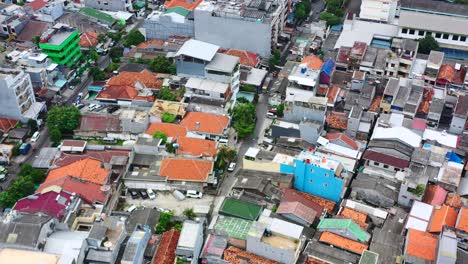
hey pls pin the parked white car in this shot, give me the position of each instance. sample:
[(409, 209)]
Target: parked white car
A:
[(232, 167), (194, 194)]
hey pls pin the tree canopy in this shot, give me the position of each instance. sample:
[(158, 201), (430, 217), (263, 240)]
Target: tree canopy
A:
[(168, 117), (22, 186), (244, 119), (97, 74), (427, 44), (302, 10), (280, 110), (166, 94), (161, 135), (162, 65), (55, 136), (134, 37), (330, 18), (65, 119), (275, 58)]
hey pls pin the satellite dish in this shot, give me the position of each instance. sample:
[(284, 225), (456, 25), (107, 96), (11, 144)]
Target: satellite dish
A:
[(105, 188)]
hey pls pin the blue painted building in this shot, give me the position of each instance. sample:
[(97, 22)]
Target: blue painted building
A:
[(319, 175)]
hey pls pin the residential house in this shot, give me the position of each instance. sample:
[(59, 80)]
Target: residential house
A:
[(261, 184), (318, 252), (307, 130), (69, 245), (342, 140), (211, 126), (390, 93), (460, 114), (195, 147), (435, 110), (134, 121), (247, 59), (27, 256), (143, 79), (151, 48), (125, 94), (435, 195), (375, 190), (342, 59), (400, 62), (419, 216), (99, 126), (160, 107), (444, 216), (48, 12), (207, 89), (160, 25), (237, 256), (266, 161), (434, 62), (445, 75), (190, 242), (357, 54), (414, 99), (88, 40), (302, 107), (60, 43), (136, 245), (305, 77), (172, 131), (297, 212), (380, 11), (420, 246), (447, 248), (346, 228), (110, 5), (104, 240), (320, 205), (343, 243), (167, 247), (240, 209)]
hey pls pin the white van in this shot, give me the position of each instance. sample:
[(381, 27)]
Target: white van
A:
[(151, 194), (131, 208), (35, 136)]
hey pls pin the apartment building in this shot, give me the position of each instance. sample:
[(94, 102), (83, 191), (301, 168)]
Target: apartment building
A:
[(173, 21), (252, 25), (17, 99), (60, 43), (110, 5)]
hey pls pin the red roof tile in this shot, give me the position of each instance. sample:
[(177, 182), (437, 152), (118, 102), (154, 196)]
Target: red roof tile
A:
[(207, 123), (454, 200), (426, 100), (375, 104), (322, 91), (333, 94), (343, 242), (88, 169), (6, 124), (443, 216), (246, 58), (101, 155), (171, 130), (299, 210), (88, 39), (313, 260), (145, 77), (343, 137), (36, 5), (147, 44), (74, 143), (459, 76), (435, 195), (183, 3), (167, 247), (337, 120), (309, 200), (343, 55), (196, 147), (88, 191), (235, 255), (50, 203), (462, 221), (313, 62), (386, 159), (359, 48), (445, 75), (421, 244), (100, 123), (186, 169), (358, 217), (123, 92)]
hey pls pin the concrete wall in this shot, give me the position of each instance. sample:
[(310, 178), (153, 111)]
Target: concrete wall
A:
[(444, 42), (310, 133), (254, 245), (187, 68), (233, 33), (106, 5), (165, 26), (457, 125), (9, 105), (353, 126)]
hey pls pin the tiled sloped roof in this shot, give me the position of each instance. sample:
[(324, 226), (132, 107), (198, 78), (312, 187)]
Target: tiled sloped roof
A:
[(186, 169), (88, 39), (6, 124), (348, 224), (454, 200), (37, 4), (386, 159), (88, 191), (462, 220), (297, 209), (421, 244), (443, 216), (101, 155), (332, 94), (171, 130), (149, 79), (435, 195), (123, 92), (343, 137), (50, 203), (375, 105), (33, 28), (343, 242), (196, 147), (358, 217), (314, 202), (167, 247), (313, 62), (149, 43), (337, 120), (246, 58), (208, 123), (100, 123), (446, 73), (87, 169), (235, 255)]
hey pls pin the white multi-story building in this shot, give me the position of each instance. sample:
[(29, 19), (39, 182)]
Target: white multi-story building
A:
[(378, 10), (17, 99)]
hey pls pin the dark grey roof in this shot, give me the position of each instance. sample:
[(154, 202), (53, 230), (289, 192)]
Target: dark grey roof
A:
[(18, 133), (277, 132), (144, 159), (144, 216), (274, 176), (435, 6), (392, 145), (97, 232), (375, 190), (133, 67), (327, 253), (402, 96), (392, 87), (370, 55), (23, 230)]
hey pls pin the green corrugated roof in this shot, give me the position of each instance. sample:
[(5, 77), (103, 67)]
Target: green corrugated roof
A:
[(179, 10), (241, 209), (101, 16), (349, 224), (369, 257)]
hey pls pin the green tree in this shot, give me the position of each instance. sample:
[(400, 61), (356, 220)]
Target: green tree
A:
[(248, 88), (134, 37), (275, 58), (166, 94), (32, 125), (164, 222), (280, 110), (170, 147), (55, 136), (36, 175), (7, 199), (97, 74), (427, 44), (189, 213), (225, 156), (36, 40), (101, 38), (168, 117), (115, 36), (244, 119), (161, 135), (330, 18), (162, 65), (300, 11), (116, 52), (111, 67), (65, 119), (93, 55)]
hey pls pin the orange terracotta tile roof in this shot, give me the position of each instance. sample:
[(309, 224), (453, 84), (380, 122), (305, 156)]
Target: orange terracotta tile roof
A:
[(171, 130), (343, 137), (167, 247), (208, 123), (313, 260), (146, 44), (421, 244), (313, 62), (342, 242), (182, 3), (6, 124), (186, 169), (235, 255), (337, 120), (454, 200), (434, 195), (446, 73), (123, 92), (426, 100), (149, 79), (322, 91), (291, 195), (246, 58), (88, 39), (375, 105), (87, 169), (196, 147), (332, 94), (443, 216), (358, 217), (462, 221)]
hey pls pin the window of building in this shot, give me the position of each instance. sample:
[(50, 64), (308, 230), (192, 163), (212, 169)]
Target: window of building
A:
[(404, 196), (411, 31), (385, 166), (438, 35), (325, 185), (428, 33), (326, 175), (392, 65), (376, 163), (455, 37), (397, 170), (445, 36), (311, 181), (421, 32), (404, 31), (463, 38)]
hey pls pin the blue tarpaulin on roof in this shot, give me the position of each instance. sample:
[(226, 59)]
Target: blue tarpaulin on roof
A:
[(451, 156), (328, 66)]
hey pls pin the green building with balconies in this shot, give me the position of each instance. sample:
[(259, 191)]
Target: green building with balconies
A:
[(60, 43)]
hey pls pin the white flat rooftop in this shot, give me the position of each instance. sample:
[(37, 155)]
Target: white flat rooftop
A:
[(364, 31), (198, 49)]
